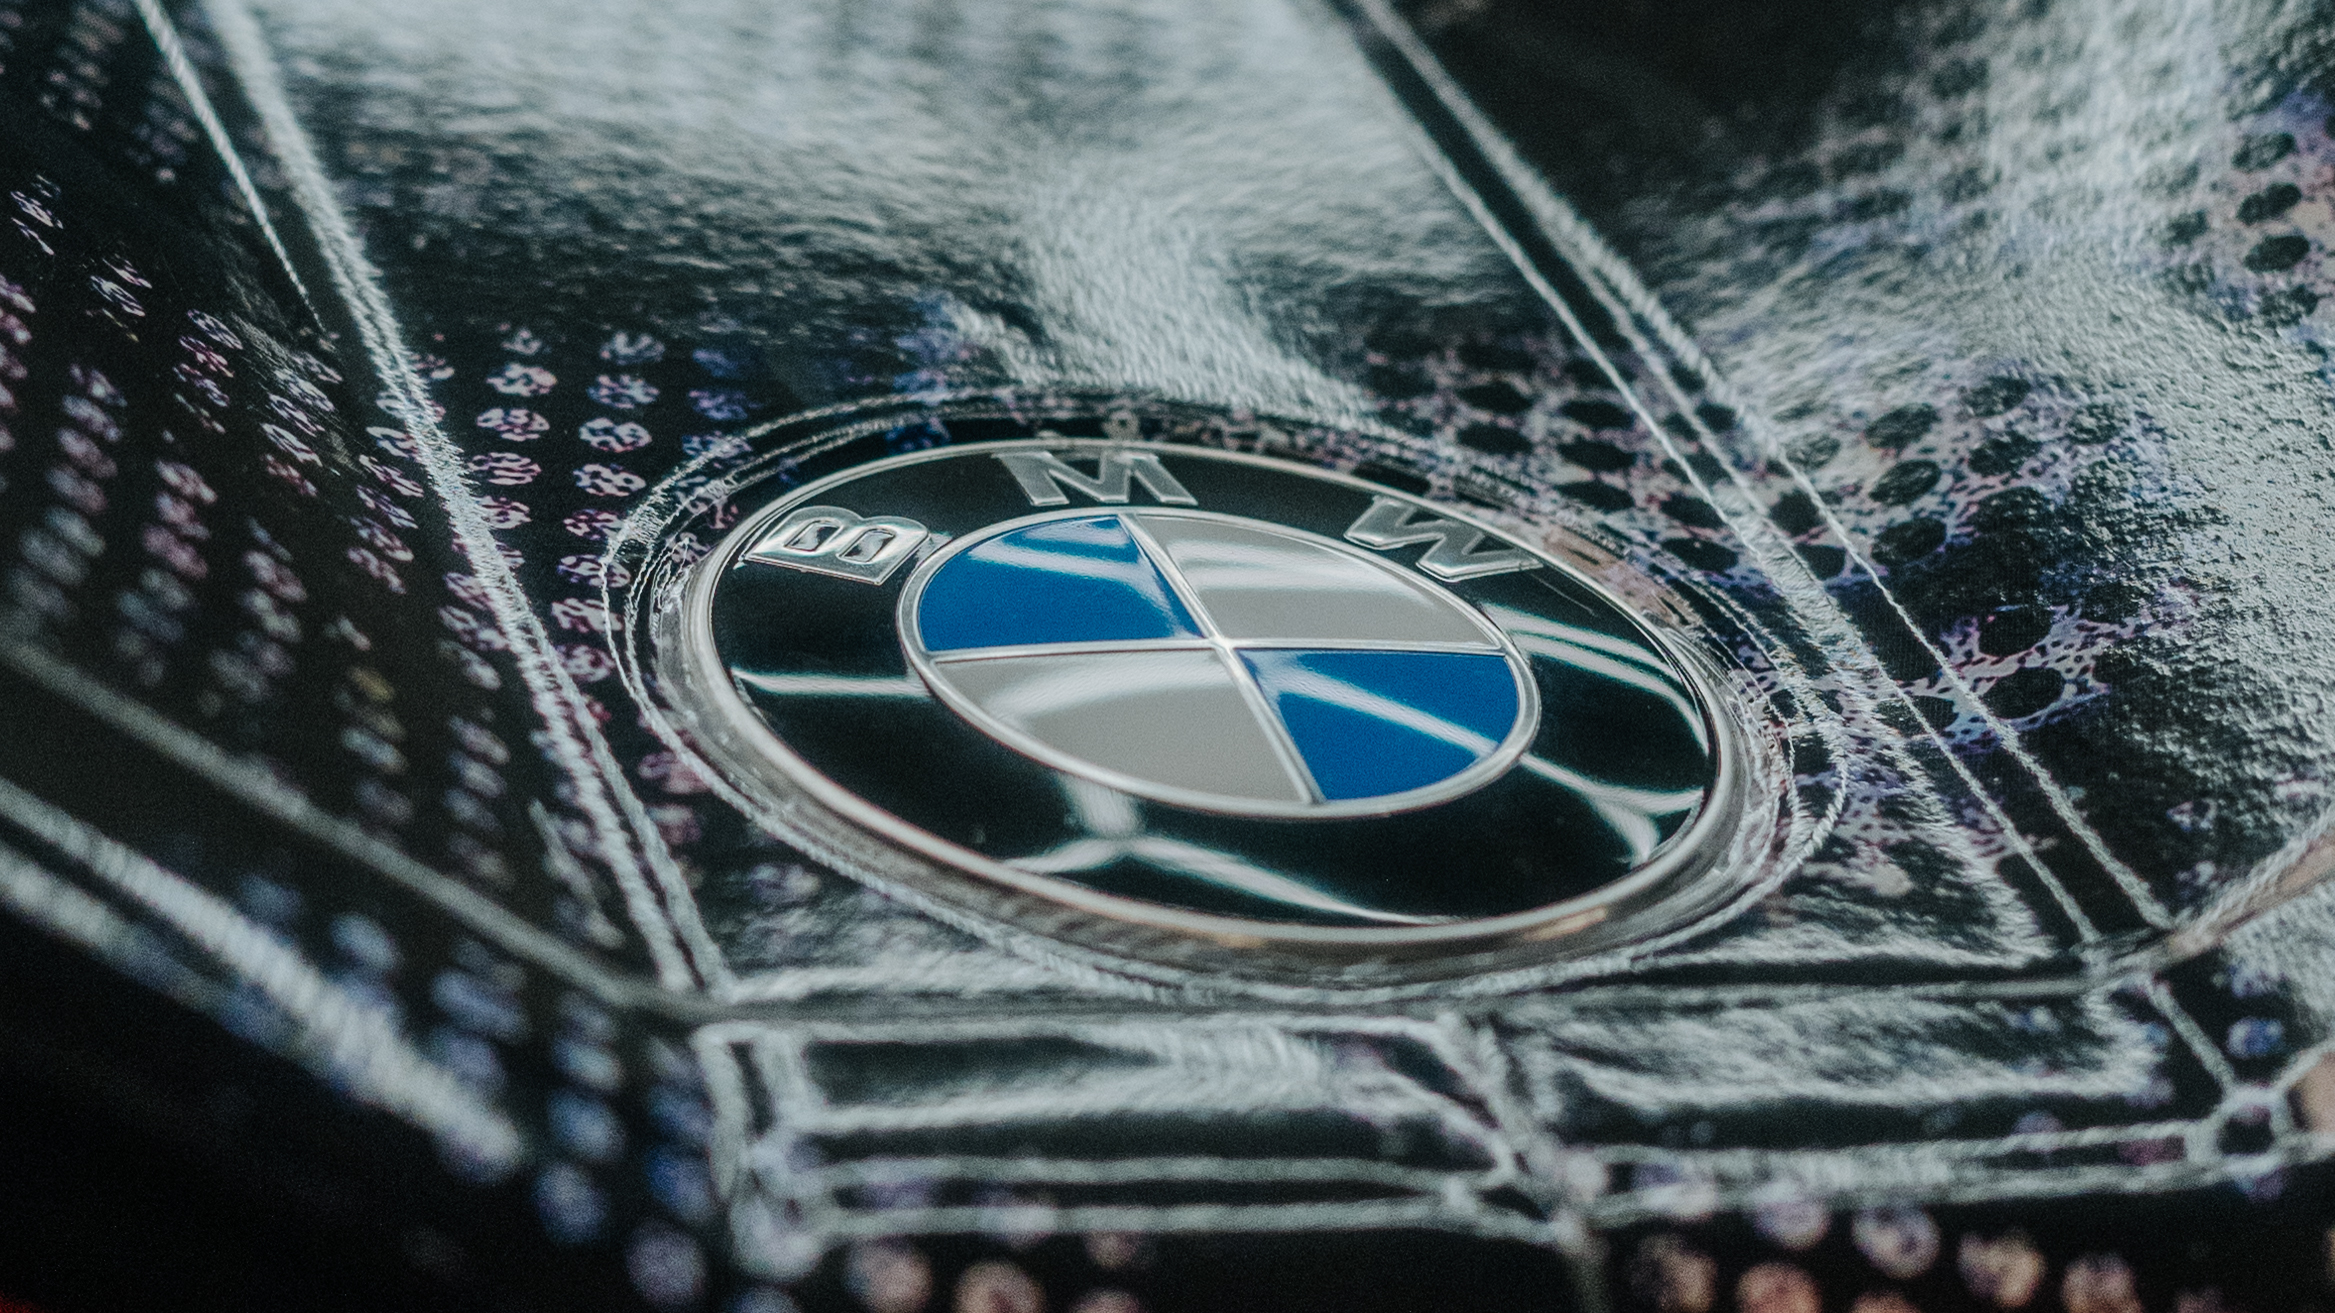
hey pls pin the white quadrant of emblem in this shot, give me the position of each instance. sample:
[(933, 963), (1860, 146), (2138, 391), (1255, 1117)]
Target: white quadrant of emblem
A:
[(1218, 663)]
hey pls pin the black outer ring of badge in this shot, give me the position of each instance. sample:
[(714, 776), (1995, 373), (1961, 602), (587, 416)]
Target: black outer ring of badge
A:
[(1686, 878)]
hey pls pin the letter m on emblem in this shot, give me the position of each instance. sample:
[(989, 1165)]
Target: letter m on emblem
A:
[(846, 544), (1451, 554), (1044, 477)]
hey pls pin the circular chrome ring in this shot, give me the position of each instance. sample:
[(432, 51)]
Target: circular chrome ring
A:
[(1706, 865)]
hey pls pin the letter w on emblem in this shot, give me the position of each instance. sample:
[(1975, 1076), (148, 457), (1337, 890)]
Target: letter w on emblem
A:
[(1043, 476), (846, 544), (1452, 556)]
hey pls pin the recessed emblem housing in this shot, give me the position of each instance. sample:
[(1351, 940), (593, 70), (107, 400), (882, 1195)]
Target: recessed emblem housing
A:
[(1205, 693)]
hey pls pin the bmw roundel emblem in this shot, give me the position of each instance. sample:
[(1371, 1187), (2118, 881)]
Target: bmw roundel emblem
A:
[(1177, 693), (1218, 662)]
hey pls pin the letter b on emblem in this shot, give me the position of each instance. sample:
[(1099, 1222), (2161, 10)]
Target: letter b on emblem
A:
[(831, 540)]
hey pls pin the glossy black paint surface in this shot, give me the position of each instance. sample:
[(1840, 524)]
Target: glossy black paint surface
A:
[(2005, 326)]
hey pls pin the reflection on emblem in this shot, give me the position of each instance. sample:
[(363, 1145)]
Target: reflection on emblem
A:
[(1220, 663), (1204, 691)]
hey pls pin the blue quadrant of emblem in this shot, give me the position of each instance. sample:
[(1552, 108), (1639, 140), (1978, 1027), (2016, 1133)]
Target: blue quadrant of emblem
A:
[(1063, 581), (1372, 723)]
